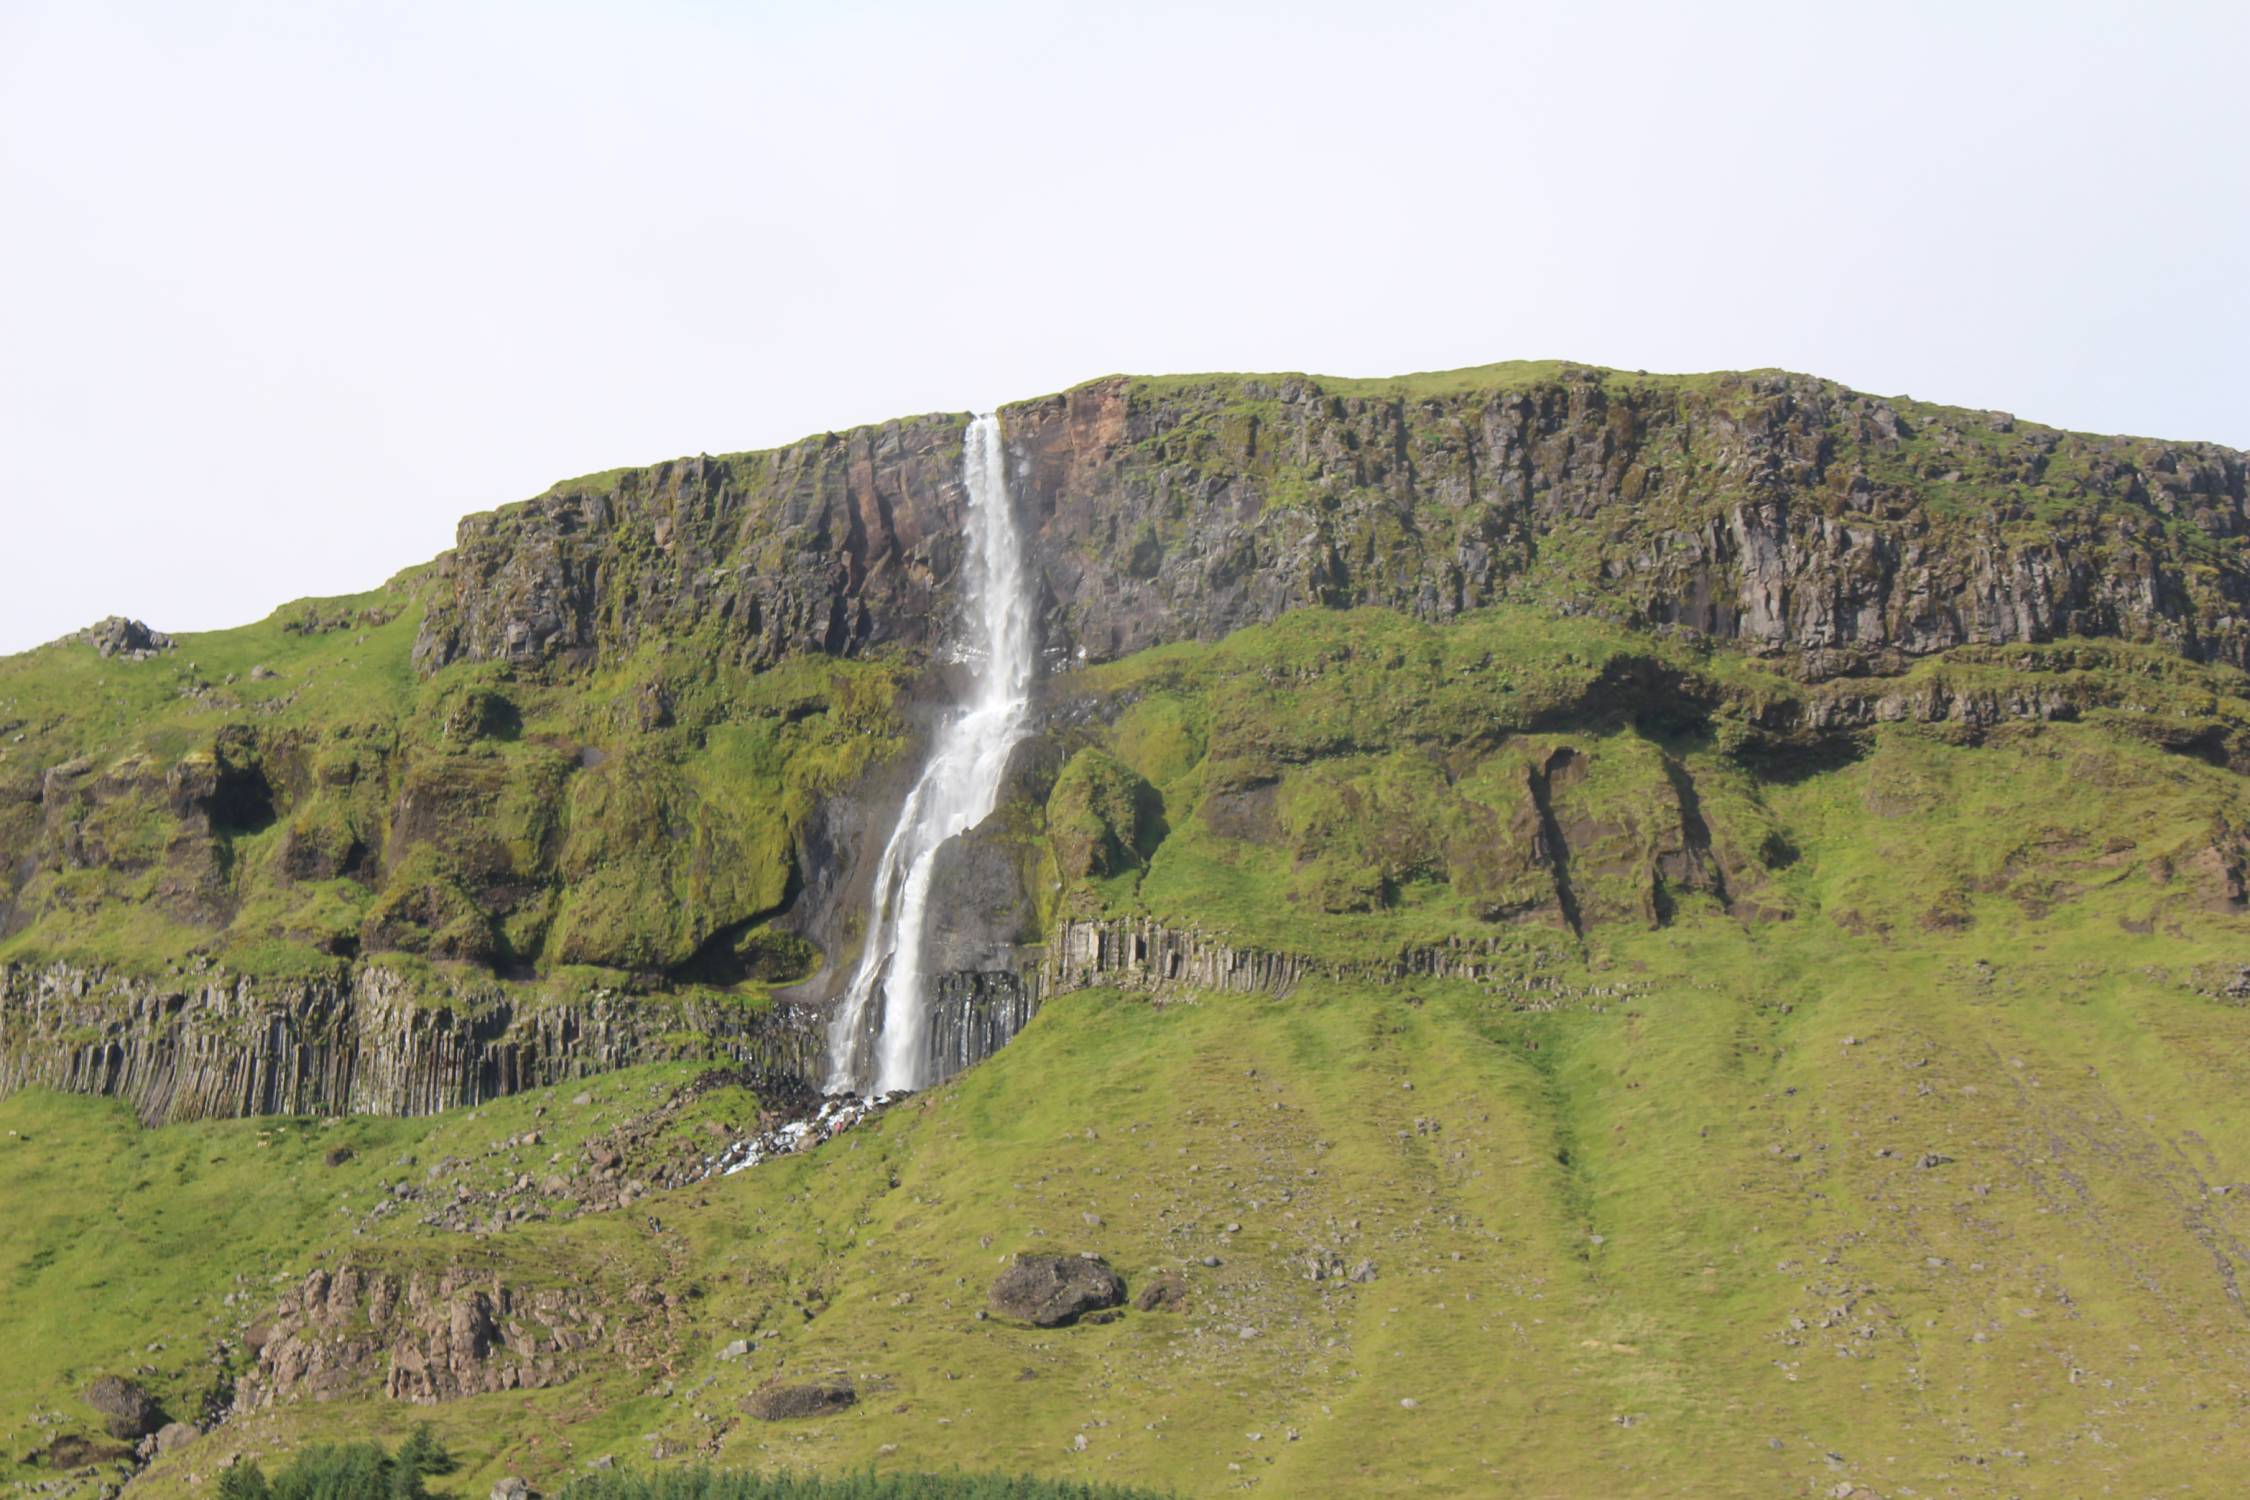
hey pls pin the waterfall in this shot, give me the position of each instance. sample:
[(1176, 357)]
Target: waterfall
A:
[(879, 1040)]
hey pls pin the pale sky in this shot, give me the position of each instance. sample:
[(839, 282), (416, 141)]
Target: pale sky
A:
[(286, 289)]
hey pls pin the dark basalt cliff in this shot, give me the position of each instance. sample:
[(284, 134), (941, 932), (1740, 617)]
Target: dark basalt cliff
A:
[(1783, 511), (833, 544)]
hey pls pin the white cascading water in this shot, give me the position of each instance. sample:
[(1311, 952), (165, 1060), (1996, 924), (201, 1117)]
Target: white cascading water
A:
[(958, 787)]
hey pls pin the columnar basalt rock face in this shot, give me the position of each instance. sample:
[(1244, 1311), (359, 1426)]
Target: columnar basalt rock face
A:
[(369, 1043)]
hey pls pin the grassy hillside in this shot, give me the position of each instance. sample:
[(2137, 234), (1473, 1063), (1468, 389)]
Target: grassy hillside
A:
[(1742, 1208)]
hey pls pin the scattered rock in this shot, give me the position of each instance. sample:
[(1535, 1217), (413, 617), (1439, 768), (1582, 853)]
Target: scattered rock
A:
[(1052, 1291), (262, 673), (512, 1487), (781, 1403), (338, 1155), (737, 1349), (173, 1436)]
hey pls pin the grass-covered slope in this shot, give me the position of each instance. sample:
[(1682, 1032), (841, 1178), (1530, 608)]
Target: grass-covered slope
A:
[(1927, 1216), (1925, 1180)]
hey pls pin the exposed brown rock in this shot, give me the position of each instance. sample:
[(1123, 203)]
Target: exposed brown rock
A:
[(1162, 1291), (428, 1336)]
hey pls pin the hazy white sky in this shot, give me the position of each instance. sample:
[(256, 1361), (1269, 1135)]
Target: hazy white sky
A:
[(285, 289)]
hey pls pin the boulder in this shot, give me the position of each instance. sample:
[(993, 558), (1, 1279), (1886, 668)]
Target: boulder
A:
[(1164, 1292), (1053, 1291), (173, 1436), (127, 1410), (511, 1487), (782, 1403)]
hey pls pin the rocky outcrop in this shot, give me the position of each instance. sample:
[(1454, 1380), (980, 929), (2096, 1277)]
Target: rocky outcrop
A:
[(431, 1335), (1788, 513), (1054, 1291), (130, 639), (365, 1042), (834, 544)]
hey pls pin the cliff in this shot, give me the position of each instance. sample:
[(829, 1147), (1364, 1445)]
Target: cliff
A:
[(1783, 511)]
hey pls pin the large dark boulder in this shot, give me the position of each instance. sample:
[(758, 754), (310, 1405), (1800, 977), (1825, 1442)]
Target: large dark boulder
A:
[(782, 1403), (127, 1410), (1053, 1291)]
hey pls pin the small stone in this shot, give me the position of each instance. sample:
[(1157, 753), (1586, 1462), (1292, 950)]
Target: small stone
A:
[(737, 1349), (511, 1487), (1410, 1403)]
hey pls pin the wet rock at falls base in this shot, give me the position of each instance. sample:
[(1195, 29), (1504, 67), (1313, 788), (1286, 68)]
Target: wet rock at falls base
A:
[(1054, 1291), (982, 913)]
